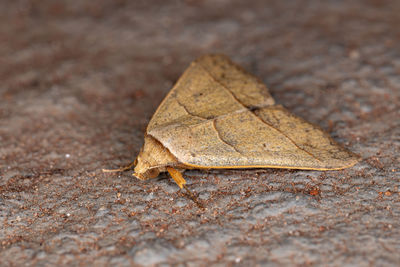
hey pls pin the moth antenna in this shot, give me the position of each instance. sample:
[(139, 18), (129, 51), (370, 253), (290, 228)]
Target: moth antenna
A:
[(121, 169)]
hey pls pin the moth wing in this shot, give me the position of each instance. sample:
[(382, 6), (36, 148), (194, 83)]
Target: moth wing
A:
[(200, 93), (219, 116)]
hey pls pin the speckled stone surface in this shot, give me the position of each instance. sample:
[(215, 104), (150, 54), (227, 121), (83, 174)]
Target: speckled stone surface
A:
[(80, 81)]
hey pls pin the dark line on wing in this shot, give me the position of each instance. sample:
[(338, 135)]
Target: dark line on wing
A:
[(253, 109), (188, 112), (290, 139), (220, 137)]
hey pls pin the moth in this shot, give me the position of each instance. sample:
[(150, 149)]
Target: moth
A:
[(218, 116)]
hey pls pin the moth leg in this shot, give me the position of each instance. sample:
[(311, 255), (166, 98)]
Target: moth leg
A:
[(177, 176), (122, 169), (181, 182)]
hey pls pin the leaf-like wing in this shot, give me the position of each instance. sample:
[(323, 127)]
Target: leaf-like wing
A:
[(219, 116)]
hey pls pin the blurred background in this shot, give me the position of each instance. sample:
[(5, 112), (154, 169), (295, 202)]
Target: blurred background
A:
[(81, 79)]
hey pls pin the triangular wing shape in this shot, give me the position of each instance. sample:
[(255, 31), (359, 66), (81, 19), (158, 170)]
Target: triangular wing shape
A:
[(219, 116), (211, 87)]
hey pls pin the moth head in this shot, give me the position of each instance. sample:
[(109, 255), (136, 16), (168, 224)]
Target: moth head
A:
[(144, 170)]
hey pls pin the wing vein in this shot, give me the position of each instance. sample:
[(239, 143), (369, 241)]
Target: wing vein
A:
[(189, 112), (222, 139), (252, 110)]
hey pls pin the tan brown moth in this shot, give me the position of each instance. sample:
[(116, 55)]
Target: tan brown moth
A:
[(219, 116)]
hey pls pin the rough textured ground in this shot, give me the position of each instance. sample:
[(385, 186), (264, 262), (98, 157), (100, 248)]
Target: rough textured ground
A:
[(80, 81)]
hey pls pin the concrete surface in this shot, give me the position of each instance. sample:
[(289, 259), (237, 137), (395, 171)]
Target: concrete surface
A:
[(80, 80)]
